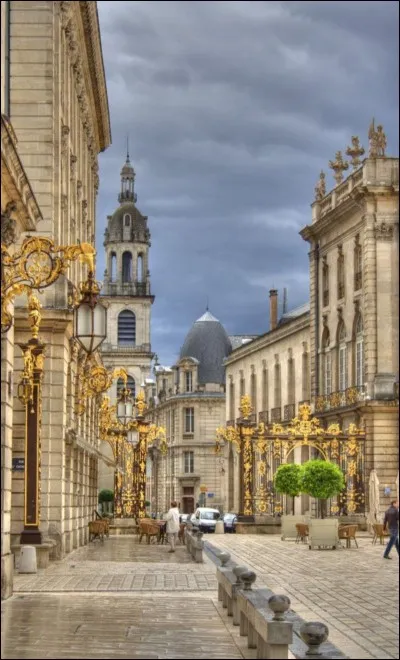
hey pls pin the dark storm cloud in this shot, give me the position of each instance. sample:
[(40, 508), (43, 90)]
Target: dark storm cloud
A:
[(232, 109)]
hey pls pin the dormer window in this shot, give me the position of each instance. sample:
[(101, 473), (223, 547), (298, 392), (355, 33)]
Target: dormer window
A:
[(188, 381)]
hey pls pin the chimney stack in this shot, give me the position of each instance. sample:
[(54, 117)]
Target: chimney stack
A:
[(273, 309)]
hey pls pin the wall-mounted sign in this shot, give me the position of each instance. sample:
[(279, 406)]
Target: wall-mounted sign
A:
[(18, 464), (387, 491), (210, 494)]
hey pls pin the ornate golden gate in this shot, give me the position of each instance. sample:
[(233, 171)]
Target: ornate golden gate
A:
[(262, 449)]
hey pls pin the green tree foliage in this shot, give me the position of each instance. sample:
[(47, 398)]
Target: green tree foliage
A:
[(287, 479), (321, 479), (106, 495)]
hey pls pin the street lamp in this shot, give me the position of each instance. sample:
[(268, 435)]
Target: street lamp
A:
[(125, 407), (90, 316)]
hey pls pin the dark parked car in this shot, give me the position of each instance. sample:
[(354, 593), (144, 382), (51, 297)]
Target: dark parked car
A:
[(230, 520)]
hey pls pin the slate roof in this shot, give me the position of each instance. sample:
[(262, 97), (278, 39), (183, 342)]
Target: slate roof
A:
[(208, 342)]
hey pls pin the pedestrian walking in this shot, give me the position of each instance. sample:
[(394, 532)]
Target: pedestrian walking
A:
[(172, 519), (391, 522)]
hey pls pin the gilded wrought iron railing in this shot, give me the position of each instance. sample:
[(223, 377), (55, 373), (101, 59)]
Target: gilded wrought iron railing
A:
[(276, 414), (341, 399)]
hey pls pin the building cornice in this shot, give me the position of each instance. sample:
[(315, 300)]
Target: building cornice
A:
[(269, 339), (15, 181)]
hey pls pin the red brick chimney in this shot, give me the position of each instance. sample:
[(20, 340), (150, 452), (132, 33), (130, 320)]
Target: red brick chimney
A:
[(273, 309)]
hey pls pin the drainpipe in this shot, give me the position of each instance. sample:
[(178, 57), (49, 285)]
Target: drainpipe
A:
[(7, 60), (316, 261)]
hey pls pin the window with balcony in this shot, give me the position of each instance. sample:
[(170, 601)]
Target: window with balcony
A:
[(188, 381), (265, 403), (189, 420), (188, 462), (253, 391), (357, 264), (305, 377), (340, 273), (342, 357), (326, 363), (232, 411), (242, 386), (291, 394), (277, 387), (359, 354), (325, 283)]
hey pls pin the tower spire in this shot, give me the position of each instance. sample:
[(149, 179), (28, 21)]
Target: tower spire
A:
[(127, 148)]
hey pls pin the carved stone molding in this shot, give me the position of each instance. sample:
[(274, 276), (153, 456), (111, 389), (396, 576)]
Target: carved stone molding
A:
[(8, 225), (384, 232), (73, 166), (79, 186)]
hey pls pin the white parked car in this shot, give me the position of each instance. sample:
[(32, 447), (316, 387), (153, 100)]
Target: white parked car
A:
[(205, 519)]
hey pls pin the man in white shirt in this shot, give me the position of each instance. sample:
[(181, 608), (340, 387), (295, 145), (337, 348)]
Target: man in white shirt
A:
[(172, 519)]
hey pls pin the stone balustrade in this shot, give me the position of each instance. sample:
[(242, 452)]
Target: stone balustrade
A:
[(195, 544), (265, 618)]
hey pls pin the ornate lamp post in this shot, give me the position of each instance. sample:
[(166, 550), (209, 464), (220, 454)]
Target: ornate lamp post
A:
[(125, 428), (36, 265)]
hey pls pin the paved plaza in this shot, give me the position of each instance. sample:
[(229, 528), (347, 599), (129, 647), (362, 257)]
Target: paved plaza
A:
[(119, 599)]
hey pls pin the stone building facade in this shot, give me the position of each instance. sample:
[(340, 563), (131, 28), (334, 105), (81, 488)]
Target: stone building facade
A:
[(341, 353), (127, 294), (20, 213), (354, 309), (274, 370), (190, 404), (57, 103)]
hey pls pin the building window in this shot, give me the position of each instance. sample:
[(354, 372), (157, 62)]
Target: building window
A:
[(188, 381), (189, 420), (130, 384), (277, 388), (342, 357), (326, 363), (359, 352), (139, 272), (127, 219), (242, 385), (253, 389), (265, 404), (291, 381), (232, 400), (127, 328), (357, 264), (188, 462), (127, 267), (325, 283), (340, 273), (113, 267), (306, 377)]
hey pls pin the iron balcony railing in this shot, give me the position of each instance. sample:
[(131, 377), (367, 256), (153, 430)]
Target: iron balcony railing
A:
[(341, 399), (289, 412), (263, 416), (276, 414)]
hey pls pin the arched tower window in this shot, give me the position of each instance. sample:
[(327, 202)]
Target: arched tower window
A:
[(359, 352), (127, 267), (130, 384), (127, 220), (342, 357), (113, 267), (139, 274), (127, 328), (326, 363)]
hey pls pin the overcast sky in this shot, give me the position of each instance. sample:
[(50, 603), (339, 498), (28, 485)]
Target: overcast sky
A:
[(232, 109)]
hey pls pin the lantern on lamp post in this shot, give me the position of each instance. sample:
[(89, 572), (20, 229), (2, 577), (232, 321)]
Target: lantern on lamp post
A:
[(90, 316)]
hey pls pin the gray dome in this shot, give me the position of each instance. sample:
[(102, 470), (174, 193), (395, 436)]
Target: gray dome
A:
[(208, 342), (137, 231)]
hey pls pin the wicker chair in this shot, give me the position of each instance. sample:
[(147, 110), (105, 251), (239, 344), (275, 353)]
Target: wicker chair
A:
[(348, 532), (379, 533), (302, 532)]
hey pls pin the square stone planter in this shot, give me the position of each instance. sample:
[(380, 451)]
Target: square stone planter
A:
[(289, 523), (324, 533)]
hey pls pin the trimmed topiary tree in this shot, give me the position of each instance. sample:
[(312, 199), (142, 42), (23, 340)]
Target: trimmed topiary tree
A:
[(287, 480), (106, 495), (322, 480)]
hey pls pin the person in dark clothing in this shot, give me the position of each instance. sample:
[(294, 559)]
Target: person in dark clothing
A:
[(391, 522)]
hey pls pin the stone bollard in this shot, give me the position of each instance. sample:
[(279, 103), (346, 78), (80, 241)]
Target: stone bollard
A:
[(238, 572), (198, 548), (219, 527), (248, 578), (27, 559), (224, 557), (279, 633), (313, 634)]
